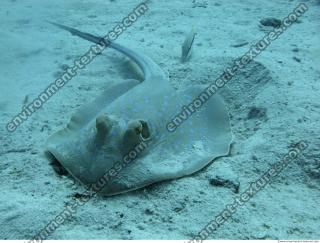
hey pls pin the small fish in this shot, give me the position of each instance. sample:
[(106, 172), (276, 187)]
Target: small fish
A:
[(25, 100), (187, 45)]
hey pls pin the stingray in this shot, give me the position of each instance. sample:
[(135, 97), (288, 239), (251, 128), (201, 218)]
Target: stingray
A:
[(131, 113)]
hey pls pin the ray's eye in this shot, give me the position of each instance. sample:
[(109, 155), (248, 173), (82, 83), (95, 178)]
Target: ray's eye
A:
[(140, 128), (137, 131), (145, 131)]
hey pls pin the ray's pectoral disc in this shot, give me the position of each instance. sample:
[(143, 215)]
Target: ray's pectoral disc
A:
[(124, 130)]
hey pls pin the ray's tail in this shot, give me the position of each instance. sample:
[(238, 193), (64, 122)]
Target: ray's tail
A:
[(148, 66)]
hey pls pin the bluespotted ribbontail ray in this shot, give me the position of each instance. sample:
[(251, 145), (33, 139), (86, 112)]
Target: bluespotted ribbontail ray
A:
[(101, 133)]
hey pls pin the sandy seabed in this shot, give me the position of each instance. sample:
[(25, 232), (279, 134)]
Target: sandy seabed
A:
[(267, 121)]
